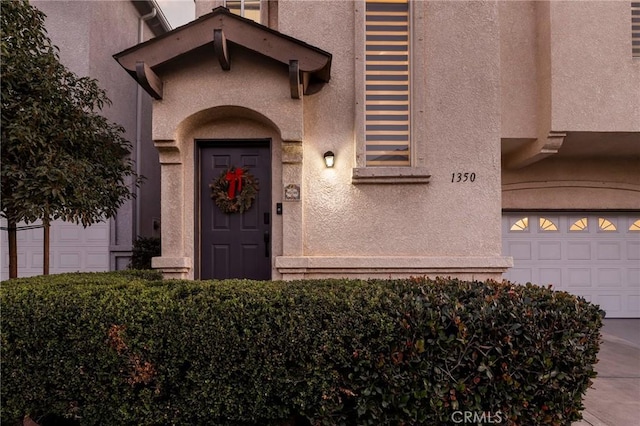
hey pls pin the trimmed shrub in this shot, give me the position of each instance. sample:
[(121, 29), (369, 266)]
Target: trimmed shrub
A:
[(117, 349), (144, 248)]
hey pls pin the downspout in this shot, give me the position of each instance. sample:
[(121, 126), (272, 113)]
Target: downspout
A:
[(141, 21)]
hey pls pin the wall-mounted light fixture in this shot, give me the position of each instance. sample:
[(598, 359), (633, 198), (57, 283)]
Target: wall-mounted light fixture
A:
[(329, 158)]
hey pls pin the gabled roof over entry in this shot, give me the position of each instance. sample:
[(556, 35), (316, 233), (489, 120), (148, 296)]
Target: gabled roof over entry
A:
[(309, 66)]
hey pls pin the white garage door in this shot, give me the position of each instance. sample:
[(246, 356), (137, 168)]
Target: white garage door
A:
[(73, 248), (596, 256)]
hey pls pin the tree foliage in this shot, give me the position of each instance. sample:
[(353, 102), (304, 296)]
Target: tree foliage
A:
[(61, 159)]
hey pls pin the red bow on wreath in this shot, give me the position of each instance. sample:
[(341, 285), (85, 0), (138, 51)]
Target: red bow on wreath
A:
[(234, 190), (234, 177)]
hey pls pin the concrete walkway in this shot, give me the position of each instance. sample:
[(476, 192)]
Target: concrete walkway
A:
[(614, 397)]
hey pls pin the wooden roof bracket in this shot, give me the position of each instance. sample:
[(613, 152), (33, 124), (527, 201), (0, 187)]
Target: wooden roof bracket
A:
[(149, 80), (220, 49), (298, 80)]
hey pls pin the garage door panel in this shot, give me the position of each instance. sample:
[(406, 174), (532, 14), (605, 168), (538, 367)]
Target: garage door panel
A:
[(69, 233), (609, 277), (593, 255), (611, 303), (633, 250), (69, 261), (578, 277), (520, 250), (550, 250), (96, 233), (521, 275), (587, 297), (35, 259), (22, 258), (579, 250), (97, 259), (608, 250), (551, 276)]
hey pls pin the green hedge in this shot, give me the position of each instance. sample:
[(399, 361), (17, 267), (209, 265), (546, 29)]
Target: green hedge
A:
[(130, 349)]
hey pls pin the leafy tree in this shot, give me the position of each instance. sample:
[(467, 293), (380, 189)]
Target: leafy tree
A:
[(61, 159)]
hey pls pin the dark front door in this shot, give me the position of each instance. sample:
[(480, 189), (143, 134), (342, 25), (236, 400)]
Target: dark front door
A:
[(235, 245)]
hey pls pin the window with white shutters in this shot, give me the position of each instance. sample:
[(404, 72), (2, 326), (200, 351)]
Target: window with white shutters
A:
[(387, 83)]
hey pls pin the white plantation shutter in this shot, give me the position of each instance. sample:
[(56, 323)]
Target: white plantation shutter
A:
[(387, 127), (635, 29)]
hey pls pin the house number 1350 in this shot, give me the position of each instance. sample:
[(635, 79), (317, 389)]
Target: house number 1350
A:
[(463, 177)]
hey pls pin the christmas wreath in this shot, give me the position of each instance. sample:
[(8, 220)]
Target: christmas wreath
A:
[(234, 190)]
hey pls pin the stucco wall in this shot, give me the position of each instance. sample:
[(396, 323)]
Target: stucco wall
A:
[(71, 38), (567, 66), (197, 83), (205, 6), (574, 184), (85, 33), (518, 69), (123, 91), (456, 123), (596, 82)]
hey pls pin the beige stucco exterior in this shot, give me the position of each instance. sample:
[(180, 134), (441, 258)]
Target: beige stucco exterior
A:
[(528, 96), (574, 184), (570, 106)]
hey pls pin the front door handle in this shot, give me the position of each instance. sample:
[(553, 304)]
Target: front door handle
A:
[(267, 240)]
